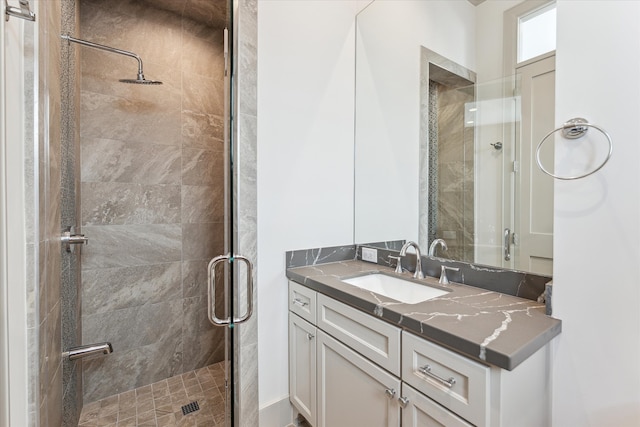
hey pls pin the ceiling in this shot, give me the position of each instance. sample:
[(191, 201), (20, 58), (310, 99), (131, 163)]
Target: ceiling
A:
[(209, 12), (476, 2)]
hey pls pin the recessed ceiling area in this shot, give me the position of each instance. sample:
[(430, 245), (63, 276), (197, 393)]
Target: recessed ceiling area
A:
[(209, 12)]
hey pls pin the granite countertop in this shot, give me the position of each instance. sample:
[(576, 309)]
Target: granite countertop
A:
[(499, 329)]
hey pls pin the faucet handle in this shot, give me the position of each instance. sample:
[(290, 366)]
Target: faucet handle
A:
[(398, 263), (443, 274)]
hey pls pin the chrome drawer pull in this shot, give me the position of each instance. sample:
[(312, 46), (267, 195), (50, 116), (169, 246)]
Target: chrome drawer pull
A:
[(301, 303), (390, 393), (426, 370), (310, 337)]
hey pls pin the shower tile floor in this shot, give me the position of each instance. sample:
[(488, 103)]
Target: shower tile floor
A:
[(160, 404)]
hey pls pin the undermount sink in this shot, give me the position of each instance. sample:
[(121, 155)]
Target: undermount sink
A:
[(395, 288)]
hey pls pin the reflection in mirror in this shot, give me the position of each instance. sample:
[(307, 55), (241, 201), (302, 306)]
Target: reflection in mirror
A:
[(444, 132)]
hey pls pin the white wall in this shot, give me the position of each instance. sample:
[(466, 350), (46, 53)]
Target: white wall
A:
[(305, 155), (305, 131), (390, 36), (596, 360)]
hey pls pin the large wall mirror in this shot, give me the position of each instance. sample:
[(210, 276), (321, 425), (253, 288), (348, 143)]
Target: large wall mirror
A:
[(452, 98)]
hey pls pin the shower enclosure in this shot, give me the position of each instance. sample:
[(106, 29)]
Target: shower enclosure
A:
[(160, 179), (159, 195)]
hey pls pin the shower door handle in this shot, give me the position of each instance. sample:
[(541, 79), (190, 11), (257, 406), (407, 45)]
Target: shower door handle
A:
[(212, 290), (507, 244)]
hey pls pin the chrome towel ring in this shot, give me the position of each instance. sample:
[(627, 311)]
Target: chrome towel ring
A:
[(574, 129)]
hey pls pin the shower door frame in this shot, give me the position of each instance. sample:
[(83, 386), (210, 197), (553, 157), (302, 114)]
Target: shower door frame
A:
[(15, 212), (241, 224)]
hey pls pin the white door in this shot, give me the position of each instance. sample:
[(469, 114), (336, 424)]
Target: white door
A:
[(353, 391), (533, 242)]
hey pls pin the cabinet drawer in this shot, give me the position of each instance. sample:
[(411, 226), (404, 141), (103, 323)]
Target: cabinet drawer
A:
[(420, 411), (302, 301), (456, 382), (371, 337)]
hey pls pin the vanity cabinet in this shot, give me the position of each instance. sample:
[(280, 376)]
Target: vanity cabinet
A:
[(352, 390), (420, 411), (302, 366), (348, 368)]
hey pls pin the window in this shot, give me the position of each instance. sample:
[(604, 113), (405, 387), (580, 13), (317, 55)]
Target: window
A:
[(537, 33)]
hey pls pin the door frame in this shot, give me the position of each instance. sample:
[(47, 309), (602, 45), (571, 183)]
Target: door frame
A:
[(14, 337)]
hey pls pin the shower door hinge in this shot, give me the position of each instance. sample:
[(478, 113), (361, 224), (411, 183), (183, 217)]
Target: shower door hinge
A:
[(22, 12)]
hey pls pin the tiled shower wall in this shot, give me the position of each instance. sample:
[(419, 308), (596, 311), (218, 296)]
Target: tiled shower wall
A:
[(69, 217), (152, 193), (57, 312), (455, 173)]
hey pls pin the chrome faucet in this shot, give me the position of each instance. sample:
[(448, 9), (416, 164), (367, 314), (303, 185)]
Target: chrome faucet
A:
[(403, 252), (434, 244)]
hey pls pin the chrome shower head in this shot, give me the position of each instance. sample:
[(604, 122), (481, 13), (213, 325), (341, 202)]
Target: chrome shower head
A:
[(139, 80)]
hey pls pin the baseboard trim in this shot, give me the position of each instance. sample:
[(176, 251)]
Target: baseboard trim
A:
[(277, 414)]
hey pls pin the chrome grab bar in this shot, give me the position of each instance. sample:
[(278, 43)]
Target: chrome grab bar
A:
[(88, 350), (212, 290)]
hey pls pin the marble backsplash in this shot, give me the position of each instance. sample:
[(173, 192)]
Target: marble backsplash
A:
[(517, 283)]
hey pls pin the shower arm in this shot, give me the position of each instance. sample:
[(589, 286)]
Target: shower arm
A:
[(108, 49)]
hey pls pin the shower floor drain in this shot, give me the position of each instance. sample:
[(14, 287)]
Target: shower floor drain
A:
[(189, 408)]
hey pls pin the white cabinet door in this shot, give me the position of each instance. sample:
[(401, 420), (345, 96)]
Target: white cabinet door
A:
[(352, 391), (302, 367), (420, 411)]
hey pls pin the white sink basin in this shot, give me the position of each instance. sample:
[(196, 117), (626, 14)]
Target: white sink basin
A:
[(395, 288)]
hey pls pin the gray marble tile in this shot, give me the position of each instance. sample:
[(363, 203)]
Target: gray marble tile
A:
[(303, 257), (52, 274), (204, 56), (111, 289), (202, 94), (131, 245), (125, 370), (203, 343), (202, 203), (211, 13), (195, 278), (105, 160), (129, 25), (202, 241), (112, 203), (133, 327), (54, 399), (247, 369), (248, 57), (204, 131), (202, 167), (112, 117), (53, 337)]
